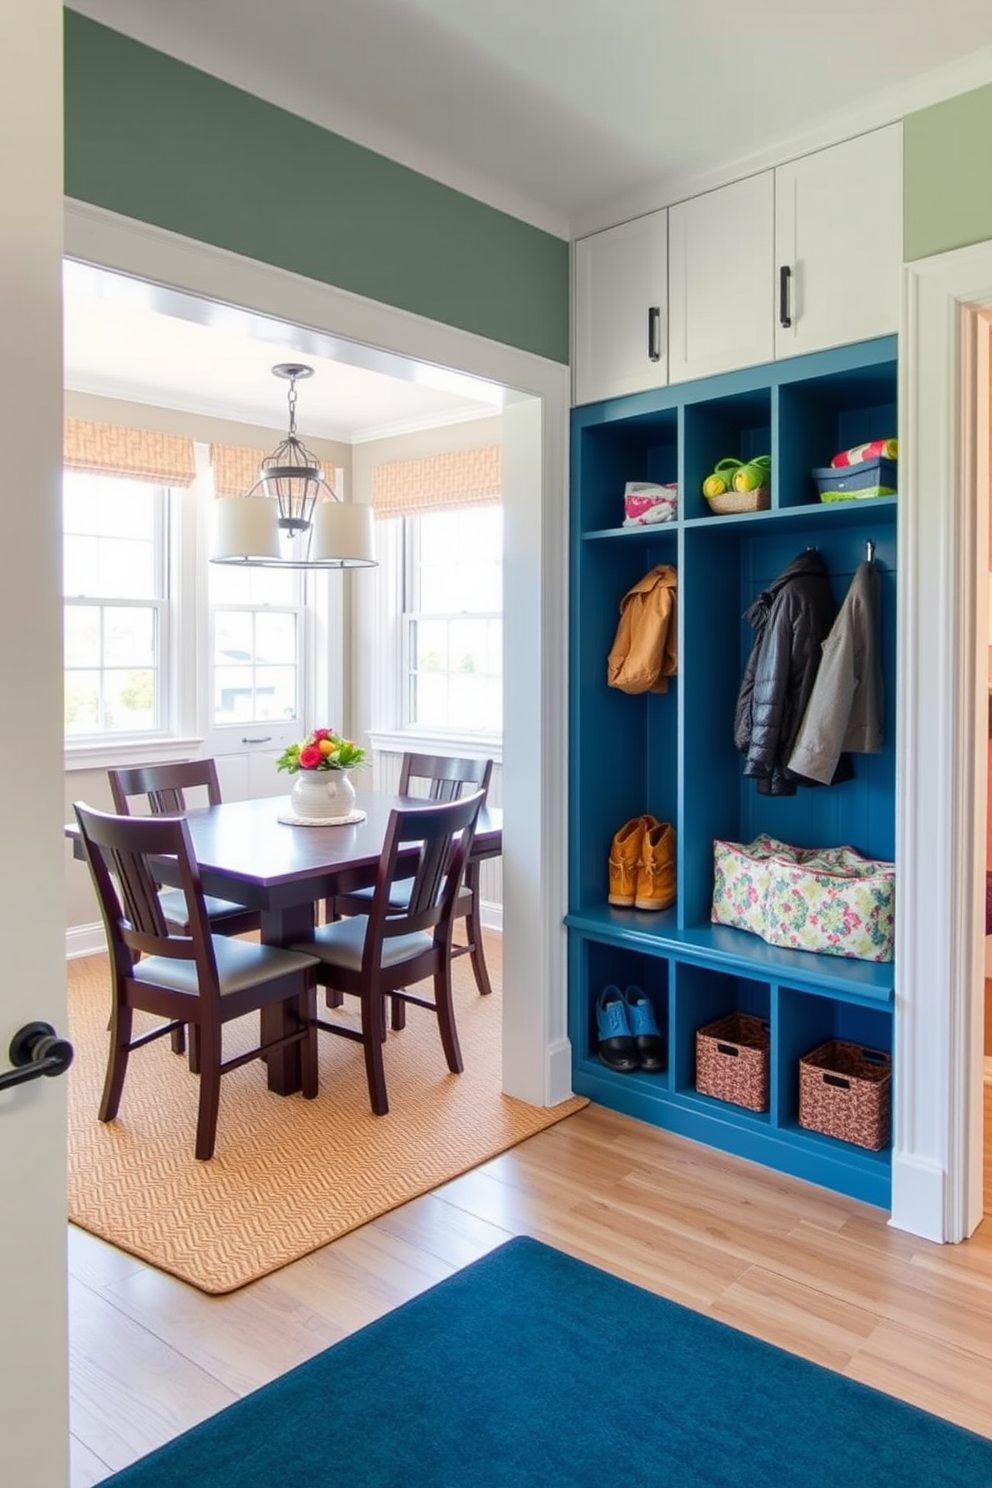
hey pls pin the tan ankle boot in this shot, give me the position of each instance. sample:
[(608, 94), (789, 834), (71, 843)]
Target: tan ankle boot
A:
[(655, 883), (625, 856)]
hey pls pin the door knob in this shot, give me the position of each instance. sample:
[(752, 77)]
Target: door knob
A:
[(36, 1050)]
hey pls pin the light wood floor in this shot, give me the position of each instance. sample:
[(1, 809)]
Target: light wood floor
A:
[(818, 1274)]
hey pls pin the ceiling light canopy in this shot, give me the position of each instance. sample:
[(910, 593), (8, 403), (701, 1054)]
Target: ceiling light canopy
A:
[(291, 517)]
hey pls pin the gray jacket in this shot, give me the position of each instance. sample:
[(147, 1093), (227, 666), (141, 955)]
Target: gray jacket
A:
[(844, 711)]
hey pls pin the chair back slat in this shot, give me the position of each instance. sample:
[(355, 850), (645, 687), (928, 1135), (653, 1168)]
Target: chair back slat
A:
[(123, 853), (444, 833), (164, 786), (446, 777)]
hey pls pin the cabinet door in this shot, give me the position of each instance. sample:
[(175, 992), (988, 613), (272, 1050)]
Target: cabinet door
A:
[(838, 233), (621, 310), (721, 248)]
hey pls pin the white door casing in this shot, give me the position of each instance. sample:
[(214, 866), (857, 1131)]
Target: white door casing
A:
[(33, 1374), (941, 723), (536, 1057)]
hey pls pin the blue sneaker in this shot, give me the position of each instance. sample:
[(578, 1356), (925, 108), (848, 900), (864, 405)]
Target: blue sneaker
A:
[(617, 1049), (648, 1042)]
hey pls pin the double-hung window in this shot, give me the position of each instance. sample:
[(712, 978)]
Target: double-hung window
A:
[(257, 623), (453, 621), (116, 606)]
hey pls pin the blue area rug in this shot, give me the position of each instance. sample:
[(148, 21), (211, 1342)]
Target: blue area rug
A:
[(531, 1368)]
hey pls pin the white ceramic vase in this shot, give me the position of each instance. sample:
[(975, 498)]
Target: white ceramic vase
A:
[(322, 795)]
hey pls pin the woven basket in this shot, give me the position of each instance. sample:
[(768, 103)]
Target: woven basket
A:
[(732, 1060), (844, 1092), (741, 501)]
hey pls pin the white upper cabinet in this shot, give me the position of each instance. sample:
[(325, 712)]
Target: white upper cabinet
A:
[(621, 309), (838, 243), (722, 290)]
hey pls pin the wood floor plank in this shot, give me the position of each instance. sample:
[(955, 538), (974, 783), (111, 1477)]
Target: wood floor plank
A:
[(810, 1271), (130, 1391)]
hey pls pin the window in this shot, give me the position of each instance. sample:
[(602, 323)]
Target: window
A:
[(257, 627), (116, 607), (453, 620)]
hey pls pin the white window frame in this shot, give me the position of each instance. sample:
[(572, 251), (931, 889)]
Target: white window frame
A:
[(393, 731)]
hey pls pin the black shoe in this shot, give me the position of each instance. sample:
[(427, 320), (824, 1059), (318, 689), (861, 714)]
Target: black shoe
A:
[(617, 1049)]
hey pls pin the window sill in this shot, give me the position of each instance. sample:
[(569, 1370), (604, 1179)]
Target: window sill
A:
[(469, 746), (125, 752)]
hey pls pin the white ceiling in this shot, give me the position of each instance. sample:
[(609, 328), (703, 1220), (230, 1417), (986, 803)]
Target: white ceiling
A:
[(126, 339), (563, 110)]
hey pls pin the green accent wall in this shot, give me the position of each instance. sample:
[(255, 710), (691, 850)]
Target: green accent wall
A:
[(947, 175), (162, 142)]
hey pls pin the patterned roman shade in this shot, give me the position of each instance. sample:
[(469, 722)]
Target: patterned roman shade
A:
[(137, 454), (469, 477), (236, 468)]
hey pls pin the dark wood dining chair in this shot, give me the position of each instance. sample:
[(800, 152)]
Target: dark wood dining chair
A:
[(385, 951), (446, 780), (197, 978), (164, 788)]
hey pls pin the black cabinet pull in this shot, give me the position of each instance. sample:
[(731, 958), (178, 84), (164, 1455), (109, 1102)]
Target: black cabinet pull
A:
[(654, 333), (36, 1050), (784, 275)]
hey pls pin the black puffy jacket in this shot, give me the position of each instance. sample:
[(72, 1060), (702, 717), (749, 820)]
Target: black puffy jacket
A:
[(791, 620)]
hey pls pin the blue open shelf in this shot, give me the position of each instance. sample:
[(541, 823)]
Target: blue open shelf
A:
[(672, 754)]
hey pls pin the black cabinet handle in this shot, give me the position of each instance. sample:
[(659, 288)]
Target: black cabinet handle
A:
[(36, 1050), (654, 333), (784, 275)]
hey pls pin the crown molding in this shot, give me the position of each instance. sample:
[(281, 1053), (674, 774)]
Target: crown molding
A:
[(889, 106)]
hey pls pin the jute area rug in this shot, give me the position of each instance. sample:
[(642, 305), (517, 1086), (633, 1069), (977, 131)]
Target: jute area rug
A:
[(288, 1175)]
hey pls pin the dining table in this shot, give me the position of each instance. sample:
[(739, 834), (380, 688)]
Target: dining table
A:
[(249, 853)]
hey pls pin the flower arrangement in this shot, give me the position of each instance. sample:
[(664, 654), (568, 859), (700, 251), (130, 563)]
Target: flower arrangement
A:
[(321, 750)]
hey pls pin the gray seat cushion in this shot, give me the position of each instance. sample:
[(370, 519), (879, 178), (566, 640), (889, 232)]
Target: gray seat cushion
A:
[(342, 942), (173, 902), (240, 963)]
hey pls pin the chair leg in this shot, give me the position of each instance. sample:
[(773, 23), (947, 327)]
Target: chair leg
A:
[(333, 997), (446, 1019), (209, 1104), (306, 1013), (473, 921), (120, 1040), (397, 1014), (178, 1039), (373, 1035), (194, 1049)]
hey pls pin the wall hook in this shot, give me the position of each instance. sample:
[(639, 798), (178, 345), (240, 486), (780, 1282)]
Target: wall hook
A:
[(869, 551)]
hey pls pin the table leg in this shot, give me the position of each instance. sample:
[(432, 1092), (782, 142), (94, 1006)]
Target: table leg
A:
[(283, 928)]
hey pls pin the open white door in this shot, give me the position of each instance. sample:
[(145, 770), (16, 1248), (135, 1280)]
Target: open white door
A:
[(33, 1387)]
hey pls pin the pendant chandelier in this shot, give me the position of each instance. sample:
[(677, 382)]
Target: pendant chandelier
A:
[(291, 517)]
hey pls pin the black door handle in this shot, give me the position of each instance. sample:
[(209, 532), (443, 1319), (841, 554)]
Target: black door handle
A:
[(36, 1050), (784, 310)]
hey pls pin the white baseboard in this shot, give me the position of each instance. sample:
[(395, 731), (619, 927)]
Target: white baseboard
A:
[(492, 917), (85, 940), (918, 1185)]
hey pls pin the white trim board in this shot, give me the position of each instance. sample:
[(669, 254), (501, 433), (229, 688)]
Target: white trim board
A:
[(535, 442), (941, 728)]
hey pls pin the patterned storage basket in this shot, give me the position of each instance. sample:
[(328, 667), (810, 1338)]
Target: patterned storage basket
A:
[(732, 1060), (830, 900), (845, 1092)]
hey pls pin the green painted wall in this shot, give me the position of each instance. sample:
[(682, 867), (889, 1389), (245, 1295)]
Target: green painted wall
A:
[(947, 175), (162, 142)]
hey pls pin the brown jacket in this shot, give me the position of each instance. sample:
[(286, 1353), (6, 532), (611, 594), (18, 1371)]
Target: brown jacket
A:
[(644, 653)]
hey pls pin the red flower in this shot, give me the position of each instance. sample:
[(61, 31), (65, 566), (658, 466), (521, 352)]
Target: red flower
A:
[(319, 734), (310, 757)]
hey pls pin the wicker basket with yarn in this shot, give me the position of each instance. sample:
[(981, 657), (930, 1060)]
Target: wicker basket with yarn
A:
[(741, 501)]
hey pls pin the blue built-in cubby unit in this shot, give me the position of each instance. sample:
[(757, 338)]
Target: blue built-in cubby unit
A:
[(672, 754)]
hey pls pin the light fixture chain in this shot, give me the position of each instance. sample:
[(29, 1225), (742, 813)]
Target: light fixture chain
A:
[(292, 405)]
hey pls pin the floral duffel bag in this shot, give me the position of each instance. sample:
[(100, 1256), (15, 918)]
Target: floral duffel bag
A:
[(830, 900)]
